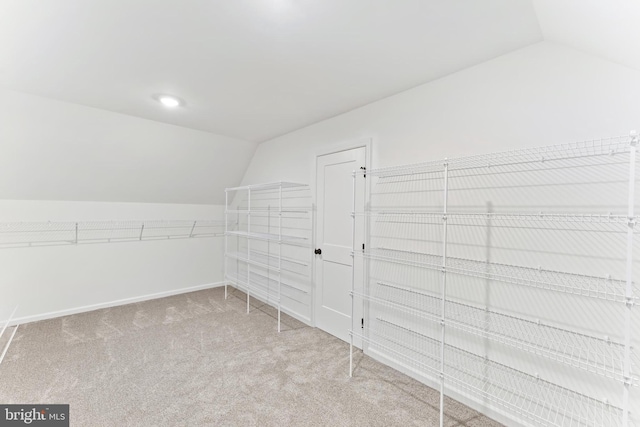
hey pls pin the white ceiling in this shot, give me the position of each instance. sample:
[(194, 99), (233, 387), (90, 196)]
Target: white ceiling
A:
[(251, 69), (255, 69)]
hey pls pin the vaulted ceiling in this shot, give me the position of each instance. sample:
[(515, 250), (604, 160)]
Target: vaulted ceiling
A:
[(255, 69)]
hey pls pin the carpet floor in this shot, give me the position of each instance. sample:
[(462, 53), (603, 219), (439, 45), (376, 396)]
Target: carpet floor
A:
[(197, 359)]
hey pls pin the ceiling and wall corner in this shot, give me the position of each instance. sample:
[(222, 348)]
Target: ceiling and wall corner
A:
[(251, 69), (540, 95), (608, 29)]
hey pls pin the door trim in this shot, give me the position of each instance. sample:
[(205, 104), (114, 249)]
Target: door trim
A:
[(367, 143)]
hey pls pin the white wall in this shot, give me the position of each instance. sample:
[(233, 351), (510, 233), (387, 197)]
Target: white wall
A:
[(66, 162), (540, 95), (57, 280), (53, 150)]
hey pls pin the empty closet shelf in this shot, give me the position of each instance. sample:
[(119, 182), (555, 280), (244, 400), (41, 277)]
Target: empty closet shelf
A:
[(271, 259), (515, 158), (269, 186), (63, 233), (263, 286), (270, 212), (578, 284), (290, 240), (284, 259), (243, 258), (412, 216), (428, 364), (573, 348), (273, 282), (547, 403)]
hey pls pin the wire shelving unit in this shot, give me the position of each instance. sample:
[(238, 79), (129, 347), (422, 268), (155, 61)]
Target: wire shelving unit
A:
[(605, 288), (508, 278), (268, 242), (52, 233)]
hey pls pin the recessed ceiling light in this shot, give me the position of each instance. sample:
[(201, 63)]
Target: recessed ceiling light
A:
[(168, 101)]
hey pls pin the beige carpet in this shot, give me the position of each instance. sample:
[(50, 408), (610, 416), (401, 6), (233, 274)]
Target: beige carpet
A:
[(196, 359)]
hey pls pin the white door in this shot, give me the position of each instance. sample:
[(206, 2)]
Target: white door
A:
[(334, 237)]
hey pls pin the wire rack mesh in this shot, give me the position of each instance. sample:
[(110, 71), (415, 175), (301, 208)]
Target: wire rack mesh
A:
[(271, 237), (267, 249), (604, 288), (537, 401), (592, 148), (21, 234), (599, 355), (515, 266)]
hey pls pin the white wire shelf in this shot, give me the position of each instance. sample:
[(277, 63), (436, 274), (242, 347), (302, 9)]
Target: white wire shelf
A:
[(524, 217), (283, 239), (274, 257), (593, 148), (571, 283), (242, 257), (537, 400), (269, 212), (25, 234), (423, 363), (265, 284), (269, 261), (266, 280), (601, 356), (269, 186)]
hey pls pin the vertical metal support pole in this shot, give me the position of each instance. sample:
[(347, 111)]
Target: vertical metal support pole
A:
[(629, 285), (13, 333), (366, 265), (353, 274), (8, 323), (76, 233), (279, 251), (248, 246), (268, 261), (226, 244), (193, 227), (141, 231), (443, 289), (8, 343), (312, 262)]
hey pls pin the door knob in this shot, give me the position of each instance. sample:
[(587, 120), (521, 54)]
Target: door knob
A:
[(318, 251)]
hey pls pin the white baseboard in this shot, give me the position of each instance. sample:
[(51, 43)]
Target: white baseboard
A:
[(493, 412), (67, 312)]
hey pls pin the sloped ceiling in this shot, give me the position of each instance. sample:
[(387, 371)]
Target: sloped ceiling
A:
[(248, 69), (255, 69), (53, 150), (608, 29)]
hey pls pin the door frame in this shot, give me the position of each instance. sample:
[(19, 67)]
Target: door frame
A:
[(367, 143)]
